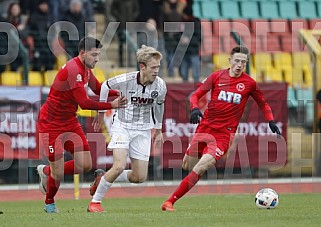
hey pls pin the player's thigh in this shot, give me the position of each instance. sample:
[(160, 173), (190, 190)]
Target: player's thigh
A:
[(139, 170), (57, 168), (140, 144), (83, 160), (189, 162), (75, 140), (207, 161), (120, 158)]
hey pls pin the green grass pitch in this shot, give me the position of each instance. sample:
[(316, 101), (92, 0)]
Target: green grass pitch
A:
[(218, 210)]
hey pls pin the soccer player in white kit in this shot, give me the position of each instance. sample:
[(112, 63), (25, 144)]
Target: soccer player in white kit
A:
[(131, 128)]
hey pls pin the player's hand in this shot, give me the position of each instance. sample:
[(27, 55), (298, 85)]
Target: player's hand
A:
[(274, 128), (98, 120), (119, 102), (196, 113)]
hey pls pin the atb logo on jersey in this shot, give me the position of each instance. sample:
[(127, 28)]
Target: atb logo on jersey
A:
[(51, 150), (154, 94), (229, 96)]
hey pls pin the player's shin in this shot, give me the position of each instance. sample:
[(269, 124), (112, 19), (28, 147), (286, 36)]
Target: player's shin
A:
[(101, 190)]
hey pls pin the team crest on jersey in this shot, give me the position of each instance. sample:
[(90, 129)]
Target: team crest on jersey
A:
[(240, 87), (154, 94), (79, 78)]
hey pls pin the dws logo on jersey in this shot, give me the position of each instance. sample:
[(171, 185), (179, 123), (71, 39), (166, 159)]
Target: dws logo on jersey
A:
[(141, 100), (230, 97)]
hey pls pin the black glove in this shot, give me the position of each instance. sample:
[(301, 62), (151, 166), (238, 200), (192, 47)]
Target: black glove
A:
[(274, 128), (196, 113)]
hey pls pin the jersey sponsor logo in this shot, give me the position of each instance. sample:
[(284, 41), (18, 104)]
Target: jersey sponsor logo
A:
[(79, 78), (218, 152), (141, 100), (154, 94), (230, 97), (240, 87)]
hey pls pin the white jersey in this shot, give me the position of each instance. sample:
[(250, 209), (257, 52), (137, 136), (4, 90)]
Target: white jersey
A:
[(142, 111)]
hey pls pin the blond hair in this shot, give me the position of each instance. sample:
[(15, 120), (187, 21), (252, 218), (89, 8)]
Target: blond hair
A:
[(146, 53)]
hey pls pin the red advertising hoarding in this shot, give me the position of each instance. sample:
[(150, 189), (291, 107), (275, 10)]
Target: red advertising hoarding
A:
[(19, 108)]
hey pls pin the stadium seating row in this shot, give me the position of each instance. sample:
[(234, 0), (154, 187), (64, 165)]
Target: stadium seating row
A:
[(36, 78), (258, 34), (293, 68), (250, 9)]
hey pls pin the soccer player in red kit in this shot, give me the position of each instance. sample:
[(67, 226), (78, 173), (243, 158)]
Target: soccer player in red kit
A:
[(58, 126), (230, 89)]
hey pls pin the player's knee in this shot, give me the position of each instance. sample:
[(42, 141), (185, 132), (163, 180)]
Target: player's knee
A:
[(118, 169), (57, 175), (202, 168), (87, 167), (137, 179), (185, 166)]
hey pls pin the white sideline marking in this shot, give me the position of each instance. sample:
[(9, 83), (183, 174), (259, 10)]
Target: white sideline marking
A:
[(175, 183)]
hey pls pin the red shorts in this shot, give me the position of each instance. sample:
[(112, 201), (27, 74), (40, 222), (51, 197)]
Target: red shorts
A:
[(54, 143), (207, 140)]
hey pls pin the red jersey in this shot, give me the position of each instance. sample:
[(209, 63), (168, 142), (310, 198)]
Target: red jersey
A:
[(228, 99), (67, 92)]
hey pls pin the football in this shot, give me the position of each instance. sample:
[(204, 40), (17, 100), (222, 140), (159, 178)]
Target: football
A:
[(266, 198)]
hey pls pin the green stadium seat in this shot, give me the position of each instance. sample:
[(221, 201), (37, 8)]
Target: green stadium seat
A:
[(306, 95), (287, 10), (292, 99), (249, 10), (210, 10), (230, 10), (307, 10), (319, 8), (197, 9), (269, 9)]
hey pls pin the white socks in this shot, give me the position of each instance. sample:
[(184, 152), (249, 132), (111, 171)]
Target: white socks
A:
[(105, 185), (123, 177), (101, 190)]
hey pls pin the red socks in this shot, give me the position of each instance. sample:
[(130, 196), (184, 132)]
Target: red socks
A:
[(187, 184), (52, 184), (69, 168), (52, 188)]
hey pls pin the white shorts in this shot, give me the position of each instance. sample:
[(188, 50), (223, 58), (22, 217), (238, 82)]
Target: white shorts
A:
[(137, 142)]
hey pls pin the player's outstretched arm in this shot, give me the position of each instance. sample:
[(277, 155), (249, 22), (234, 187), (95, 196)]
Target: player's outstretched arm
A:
[(87, 104)]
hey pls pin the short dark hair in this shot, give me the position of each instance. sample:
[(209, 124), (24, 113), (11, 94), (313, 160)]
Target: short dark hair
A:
[(87, 43), (240, 49)]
